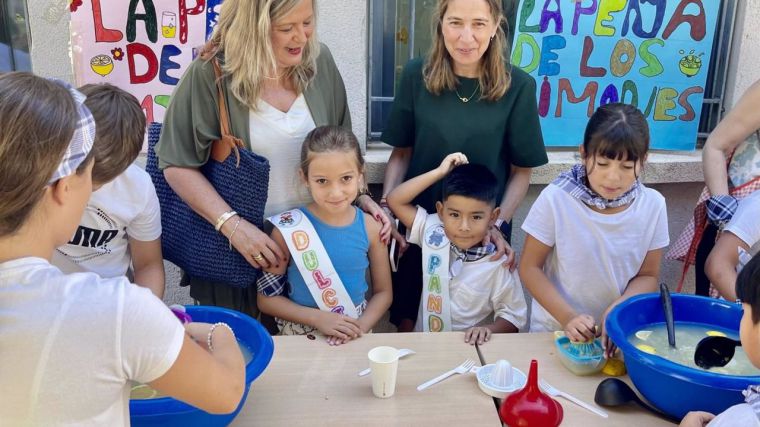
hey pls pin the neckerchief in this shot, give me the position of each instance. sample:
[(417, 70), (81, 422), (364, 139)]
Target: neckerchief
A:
[(468, 255), (574, 183)]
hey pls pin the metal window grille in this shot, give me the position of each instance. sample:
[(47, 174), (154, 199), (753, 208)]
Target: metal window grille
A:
[(399, 30), (14, 36)]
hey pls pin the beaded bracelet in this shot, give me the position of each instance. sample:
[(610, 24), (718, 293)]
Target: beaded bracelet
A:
[(211, 332)]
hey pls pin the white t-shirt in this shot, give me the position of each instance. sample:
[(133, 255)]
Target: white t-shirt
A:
[(124, 208), (594, 255), (745, 223), (741, 415), (482, 291), (278, 136), (71, 344)]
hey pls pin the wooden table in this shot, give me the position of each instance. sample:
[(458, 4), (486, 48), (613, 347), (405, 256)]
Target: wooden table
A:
[(519, 349), (310, 382)]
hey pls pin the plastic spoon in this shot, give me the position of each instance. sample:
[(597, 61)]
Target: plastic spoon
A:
[(715, 351), (667, 306), (401, 353), (614, 392)]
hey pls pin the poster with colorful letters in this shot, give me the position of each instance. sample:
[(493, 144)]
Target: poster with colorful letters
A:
[(653, 54), (142, 46)]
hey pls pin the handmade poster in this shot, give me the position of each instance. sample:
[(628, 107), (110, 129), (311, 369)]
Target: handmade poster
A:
[(653, 54), (142, 46)]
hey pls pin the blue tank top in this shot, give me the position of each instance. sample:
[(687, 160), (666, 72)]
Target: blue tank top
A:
[(347, 248)]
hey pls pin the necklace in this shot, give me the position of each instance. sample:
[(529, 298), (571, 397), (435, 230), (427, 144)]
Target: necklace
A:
[(467, 99)]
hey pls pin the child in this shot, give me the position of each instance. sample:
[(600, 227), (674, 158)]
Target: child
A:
[(463, 289), (738, 240), (327, 282), (595, 235), (744, 414), (72, 345), (122, 221)]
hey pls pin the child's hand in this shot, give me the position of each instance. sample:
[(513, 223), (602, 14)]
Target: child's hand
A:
[(477, 334), (338, 325), (451, 161), (696, 419), (581, 328)]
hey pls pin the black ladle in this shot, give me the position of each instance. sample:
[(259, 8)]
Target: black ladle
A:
[(667, 306), (614, 392), (715, 351)]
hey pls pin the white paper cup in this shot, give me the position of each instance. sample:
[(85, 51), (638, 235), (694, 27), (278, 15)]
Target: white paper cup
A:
[(383, 362)]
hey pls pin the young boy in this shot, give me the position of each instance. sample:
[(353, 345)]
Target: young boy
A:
[(462, 288), (739, 239), (744, 414), (122, 222)]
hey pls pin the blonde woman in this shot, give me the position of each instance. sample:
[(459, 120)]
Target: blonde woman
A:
[(280, 84), (464, 97)]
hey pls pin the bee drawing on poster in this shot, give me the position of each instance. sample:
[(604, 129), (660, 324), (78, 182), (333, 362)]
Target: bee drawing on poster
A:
[(142, 46)]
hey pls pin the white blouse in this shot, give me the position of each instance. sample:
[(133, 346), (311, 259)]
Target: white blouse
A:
[(278, 137)]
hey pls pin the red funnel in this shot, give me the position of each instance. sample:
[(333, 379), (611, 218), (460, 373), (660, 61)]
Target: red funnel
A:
[(530, 406)]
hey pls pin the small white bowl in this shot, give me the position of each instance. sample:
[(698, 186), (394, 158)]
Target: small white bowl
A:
[(484, 381)]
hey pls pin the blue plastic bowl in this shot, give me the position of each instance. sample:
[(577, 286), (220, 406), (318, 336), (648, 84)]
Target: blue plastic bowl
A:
[(676, 389), (166, 411)]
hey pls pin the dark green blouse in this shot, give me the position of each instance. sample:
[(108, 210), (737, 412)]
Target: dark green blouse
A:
[(496, 134)]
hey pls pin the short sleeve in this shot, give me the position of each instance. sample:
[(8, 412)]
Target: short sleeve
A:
[(191, 122), (151, 336), (400, 129), (540, 220), (744, 224), (661, 237), (508, 300), (416, 235), (146, 226), (524, 137)]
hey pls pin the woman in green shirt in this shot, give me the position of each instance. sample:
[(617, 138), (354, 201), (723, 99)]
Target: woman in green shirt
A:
[(464, 97), (279, 84)]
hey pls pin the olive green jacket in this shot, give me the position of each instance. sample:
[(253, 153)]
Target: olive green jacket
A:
[(191, 123)]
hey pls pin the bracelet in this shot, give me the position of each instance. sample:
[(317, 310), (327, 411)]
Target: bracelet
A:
[(223, 218), (211, 332), (234, 229), (384, 203)]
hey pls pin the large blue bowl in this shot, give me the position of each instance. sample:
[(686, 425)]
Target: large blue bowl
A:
[(166, 411), (673, 388)]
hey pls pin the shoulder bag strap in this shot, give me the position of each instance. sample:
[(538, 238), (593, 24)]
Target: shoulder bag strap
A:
[(228, 143)]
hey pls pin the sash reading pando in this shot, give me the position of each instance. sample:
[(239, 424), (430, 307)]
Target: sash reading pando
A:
[(436, 304), (311, 258)]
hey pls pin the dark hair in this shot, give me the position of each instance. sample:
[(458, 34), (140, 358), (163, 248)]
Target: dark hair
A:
[(473, 181), (748, 286), (120, 129), (37, 121), (325, 139), (617, 131)]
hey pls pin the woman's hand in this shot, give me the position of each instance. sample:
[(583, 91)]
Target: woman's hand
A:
[(369, 206), (581, 328), (502, 248), (256, 247), (337, 325)]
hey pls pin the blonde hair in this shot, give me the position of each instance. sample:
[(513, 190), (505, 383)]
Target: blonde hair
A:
[(495, 77), (243, 34), (37, 121)]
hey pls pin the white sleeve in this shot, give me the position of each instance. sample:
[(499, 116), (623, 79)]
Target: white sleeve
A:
[(737, 415), (146, 226), (151, 336), (661, 238), (744, 224), (416, 234), (508, 300), (540, 220)]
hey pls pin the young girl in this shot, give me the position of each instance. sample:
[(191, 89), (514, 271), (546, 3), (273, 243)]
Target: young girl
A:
[(72, 345), (331, 243), (595, 235)]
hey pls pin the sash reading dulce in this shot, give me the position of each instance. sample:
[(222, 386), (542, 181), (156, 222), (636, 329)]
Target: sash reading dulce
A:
[(311, 258), (436, 304)]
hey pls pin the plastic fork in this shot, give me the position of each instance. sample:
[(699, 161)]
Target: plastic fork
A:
[(556, 392), (461, 369)]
